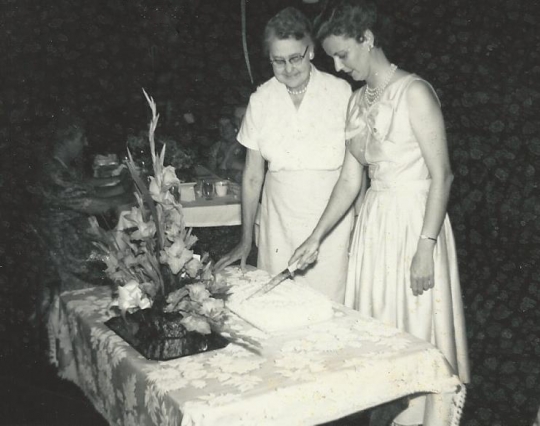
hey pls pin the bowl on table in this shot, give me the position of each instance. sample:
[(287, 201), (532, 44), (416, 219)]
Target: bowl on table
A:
[(106, 166)]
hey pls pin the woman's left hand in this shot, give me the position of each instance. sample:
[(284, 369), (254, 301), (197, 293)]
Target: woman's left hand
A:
[(422, 268)]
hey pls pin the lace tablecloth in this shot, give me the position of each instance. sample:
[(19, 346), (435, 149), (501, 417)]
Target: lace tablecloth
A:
[(305, 377)]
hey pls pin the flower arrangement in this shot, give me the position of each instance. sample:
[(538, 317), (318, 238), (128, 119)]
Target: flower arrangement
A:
[(150, 256)]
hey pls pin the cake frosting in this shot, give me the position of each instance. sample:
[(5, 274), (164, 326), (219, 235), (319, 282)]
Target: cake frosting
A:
[(289, 305)]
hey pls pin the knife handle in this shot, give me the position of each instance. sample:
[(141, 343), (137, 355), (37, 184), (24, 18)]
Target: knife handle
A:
[(293, 267)]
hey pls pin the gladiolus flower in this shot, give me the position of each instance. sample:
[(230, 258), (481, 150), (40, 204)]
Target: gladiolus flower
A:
[(130, 296)]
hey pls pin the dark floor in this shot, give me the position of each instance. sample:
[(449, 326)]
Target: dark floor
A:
[(36, 396)]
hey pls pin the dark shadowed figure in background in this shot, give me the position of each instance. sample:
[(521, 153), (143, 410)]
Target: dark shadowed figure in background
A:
[(226, 156), (66, 201)]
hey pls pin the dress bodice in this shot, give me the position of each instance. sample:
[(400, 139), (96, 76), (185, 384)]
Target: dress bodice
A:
[(385, 136), (310, 137)]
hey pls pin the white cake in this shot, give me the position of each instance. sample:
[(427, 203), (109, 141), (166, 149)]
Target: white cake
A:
[(289, 305)]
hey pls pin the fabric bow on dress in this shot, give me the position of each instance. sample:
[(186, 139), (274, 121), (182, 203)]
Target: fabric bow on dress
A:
[(371, 122)]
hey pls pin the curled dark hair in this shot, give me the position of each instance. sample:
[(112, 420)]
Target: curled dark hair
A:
[(351, 19), (288, 23)]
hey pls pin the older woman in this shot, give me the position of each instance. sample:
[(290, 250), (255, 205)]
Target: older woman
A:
[(403, 264), (295, 123)]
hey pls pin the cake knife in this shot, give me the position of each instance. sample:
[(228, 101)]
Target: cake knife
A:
[(288, 272)]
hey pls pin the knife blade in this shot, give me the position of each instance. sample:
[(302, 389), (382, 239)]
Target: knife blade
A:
[(276, 280)]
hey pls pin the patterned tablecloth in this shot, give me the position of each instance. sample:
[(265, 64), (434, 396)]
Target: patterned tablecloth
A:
[(308, 376)]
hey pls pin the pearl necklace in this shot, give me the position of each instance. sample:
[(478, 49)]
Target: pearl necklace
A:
[(372, 95), (301, 91)]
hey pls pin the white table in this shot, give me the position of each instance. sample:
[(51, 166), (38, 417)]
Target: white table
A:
[(218, 211), (202, 212), (304, 377)]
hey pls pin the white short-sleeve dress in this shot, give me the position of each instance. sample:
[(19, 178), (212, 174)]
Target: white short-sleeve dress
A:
[(304, 149)]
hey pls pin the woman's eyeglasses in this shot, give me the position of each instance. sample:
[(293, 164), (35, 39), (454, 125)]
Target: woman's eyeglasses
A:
[(293, 60)]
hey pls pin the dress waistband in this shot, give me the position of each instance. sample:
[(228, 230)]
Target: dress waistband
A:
[(306, 171), (379, 185)]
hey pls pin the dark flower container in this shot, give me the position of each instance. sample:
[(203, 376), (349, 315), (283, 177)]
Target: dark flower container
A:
[(160, 336)]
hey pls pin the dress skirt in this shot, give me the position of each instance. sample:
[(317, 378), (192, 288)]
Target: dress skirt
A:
[(384, 243), (291, 206)]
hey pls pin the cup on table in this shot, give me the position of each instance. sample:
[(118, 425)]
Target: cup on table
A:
[(187, 191), (222, 187), (207, 189)]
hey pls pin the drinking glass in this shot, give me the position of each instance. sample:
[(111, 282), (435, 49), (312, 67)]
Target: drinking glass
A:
[(207, 189)]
